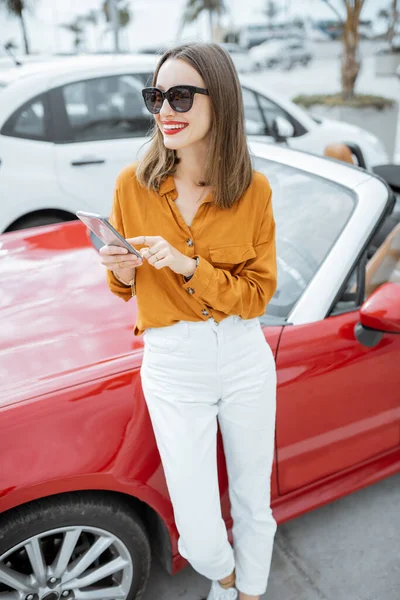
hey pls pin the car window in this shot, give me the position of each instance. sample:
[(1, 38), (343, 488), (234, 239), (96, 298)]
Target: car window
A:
[(272, 110), (254, 121), (105, 108), (310, 213), (29, 121), (374, 269)]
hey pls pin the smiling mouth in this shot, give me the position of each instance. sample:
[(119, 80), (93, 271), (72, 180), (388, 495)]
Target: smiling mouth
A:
[(172, 129)]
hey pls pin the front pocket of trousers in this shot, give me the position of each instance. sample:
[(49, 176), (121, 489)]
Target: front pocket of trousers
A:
[(251, 324), (163, 345)]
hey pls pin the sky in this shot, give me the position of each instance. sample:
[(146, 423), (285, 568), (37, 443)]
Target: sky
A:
[(155, 22)]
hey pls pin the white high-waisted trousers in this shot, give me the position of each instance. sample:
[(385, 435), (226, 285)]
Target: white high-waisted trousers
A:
[(194, 373)]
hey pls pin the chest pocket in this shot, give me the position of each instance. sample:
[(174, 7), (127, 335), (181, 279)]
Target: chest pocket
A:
[(231, 257)]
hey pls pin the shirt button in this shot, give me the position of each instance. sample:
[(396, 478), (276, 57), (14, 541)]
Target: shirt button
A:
[(189, 242), (205, 312), (190, 290)]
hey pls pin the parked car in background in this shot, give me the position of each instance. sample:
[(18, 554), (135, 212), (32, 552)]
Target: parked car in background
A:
[(152, 50), (242, 58), (83, 498), (68, 127), (284, 53)]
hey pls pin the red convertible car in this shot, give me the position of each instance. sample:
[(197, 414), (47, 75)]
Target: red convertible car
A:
[(83, 500)]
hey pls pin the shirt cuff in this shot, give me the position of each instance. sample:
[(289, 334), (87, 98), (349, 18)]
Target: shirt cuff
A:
[(123, 291), (197, 285)]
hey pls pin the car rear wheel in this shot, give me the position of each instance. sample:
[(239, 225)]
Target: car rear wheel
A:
[(75, 547), (38, 220)]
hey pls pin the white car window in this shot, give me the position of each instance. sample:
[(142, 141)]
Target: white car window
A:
[(105, 108), (272, 110), (29, 121), (310, 214), (254, 122)]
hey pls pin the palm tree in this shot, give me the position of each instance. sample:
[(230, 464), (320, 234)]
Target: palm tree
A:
[(122, 17), (77, 28), (271, 11), (194, 8), (390, 15), (17, 8), (393, 21), (350, 59)]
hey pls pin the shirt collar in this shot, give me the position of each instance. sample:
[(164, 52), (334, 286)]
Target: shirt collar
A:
[(168, 186)]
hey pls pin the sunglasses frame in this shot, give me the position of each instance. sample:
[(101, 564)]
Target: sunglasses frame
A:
[(165, 96)]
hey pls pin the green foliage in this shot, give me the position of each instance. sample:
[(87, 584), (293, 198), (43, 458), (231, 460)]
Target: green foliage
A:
[(194, 8), (357, 101), (124, 14), (14, 7)]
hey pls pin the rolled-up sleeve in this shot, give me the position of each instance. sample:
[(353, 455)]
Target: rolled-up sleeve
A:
[(248, 293), (115, 219)]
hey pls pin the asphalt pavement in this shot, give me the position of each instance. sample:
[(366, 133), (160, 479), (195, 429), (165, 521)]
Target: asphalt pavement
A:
[(347, 550)]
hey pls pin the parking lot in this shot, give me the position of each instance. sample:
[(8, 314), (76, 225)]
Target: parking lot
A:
[(348, 550), (323, 76)]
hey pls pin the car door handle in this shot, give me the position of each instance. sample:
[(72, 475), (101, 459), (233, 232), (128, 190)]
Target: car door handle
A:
[(87, 161)]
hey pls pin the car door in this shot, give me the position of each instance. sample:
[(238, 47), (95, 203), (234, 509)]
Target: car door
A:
[(338, 401), (101, 124), (28, 176), (260, 113)]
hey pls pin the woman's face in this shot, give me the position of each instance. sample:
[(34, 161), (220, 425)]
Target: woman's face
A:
[(197, 121)]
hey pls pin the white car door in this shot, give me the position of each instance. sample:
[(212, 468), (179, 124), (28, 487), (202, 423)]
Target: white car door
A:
[(28, 179), (101, 124), (256, 124), (260, 113)]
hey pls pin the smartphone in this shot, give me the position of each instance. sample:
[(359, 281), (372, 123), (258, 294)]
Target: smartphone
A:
[(105, 231)]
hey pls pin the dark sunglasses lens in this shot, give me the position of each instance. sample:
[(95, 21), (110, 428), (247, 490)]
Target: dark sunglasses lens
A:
[(180, 99), (153, 101)]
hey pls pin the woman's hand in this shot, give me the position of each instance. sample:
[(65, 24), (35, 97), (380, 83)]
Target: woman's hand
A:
[(160, 254), (119, 260)]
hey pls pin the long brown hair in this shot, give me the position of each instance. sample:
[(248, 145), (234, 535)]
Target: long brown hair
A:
[(228, 168)]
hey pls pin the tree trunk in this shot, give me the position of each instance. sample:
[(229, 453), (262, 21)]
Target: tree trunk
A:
[(211, 21), (24, 34), (350, 61), (393, 22)]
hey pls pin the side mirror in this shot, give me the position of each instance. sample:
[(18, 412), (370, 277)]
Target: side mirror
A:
[(282, 129), (379, 314)]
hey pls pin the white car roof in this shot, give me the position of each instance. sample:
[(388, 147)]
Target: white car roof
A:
[(78, 63), (41, 76)]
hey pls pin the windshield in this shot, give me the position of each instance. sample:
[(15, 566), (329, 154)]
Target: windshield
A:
[(310, 214), (2, 85)]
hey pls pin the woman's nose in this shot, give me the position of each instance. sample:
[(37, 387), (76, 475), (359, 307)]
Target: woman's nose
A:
[(166, 108)]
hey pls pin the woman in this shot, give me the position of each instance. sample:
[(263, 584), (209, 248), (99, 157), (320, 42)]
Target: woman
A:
[(204, 225)]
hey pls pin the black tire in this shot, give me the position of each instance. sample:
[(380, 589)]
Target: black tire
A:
[(82, 509), (37, 221)]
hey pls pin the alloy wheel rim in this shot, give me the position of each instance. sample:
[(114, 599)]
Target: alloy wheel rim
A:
[(67, 563)]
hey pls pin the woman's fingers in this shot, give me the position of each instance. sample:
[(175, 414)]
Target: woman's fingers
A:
[(114, 257), (111, 250)]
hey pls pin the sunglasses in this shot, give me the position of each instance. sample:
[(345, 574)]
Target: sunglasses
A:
[(180, 97)]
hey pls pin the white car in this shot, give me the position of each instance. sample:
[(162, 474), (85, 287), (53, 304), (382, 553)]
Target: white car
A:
[(68, 127), (242, 59), (282, 52)]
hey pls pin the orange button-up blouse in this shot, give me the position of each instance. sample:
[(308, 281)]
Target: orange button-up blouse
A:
[(236, 272)]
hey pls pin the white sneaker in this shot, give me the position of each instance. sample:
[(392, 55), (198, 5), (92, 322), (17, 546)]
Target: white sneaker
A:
[(219, 593)]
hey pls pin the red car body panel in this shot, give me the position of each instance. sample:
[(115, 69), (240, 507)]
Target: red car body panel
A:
[(338, 401), (72, 412), (381, 309)]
